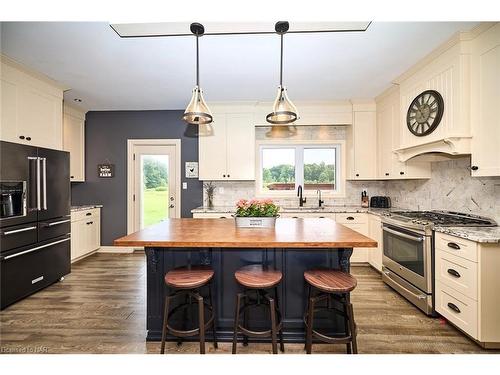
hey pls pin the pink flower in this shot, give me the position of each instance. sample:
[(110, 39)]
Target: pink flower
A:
[(242, 203)]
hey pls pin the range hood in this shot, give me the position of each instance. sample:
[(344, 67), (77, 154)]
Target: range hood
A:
[(451, 146)]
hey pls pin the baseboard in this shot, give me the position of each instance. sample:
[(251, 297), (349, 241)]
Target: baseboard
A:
[(116, 249)]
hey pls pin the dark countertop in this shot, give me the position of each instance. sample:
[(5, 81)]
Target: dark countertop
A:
[(477, 234), (85, 207)]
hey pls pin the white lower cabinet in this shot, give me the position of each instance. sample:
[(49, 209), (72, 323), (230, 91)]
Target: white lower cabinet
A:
[(359, 223), (85, 232), (467, 280), (375, 233)]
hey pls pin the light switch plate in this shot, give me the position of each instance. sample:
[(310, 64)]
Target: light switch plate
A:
[(184, 185), (221, 190)]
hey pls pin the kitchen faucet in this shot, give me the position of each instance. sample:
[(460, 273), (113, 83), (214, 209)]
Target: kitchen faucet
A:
[(299, 194), (320, 201)]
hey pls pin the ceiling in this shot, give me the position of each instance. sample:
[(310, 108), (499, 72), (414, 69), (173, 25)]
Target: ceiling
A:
[(112, 73)]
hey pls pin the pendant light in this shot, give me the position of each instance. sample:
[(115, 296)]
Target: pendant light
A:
[(197, 111), (284, 111)]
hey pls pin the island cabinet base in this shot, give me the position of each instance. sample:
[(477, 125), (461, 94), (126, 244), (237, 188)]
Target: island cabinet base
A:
[(225, 261)]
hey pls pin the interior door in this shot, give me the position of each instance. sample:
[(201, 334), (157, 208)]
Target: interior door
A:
[(155, 184)]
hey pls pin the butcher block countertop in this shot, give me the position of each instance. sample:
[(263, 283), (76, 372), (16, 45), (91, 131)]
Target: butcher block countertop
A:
[(289, 233)]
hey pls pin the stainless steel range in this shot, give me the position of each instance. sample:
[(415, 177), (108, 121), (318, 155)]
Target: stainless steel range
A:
[(408, 251)]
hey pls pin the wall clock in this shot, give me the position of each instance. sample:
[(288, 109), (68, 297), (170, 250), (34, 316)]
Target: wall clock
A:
[(425, 113)]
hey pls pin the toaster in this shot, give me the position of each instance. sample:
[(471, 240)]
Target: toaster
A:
[(380, 202)]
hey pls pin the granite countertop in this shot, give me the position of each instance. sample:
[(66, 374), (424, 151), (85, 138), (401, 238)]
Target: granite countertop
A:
[(477, 234), (85, 207), (329, 209)]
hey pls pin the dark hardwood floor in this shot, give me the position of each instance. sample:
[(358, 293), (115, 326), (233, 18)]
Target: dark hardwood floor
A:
[(100, 308)]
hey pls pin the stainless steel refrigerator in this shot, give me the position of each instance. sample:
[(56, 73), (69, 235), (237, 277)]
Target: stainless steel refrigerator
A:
[(35, 222)]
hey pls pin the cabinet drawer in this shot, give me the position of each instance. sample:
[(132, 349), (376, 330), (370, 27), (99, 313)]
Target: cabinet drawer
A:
[(222, 215), (351, 218), (311, 215), (17, 236), (85, 214), (27, 271), (54, 228), (457, 246), (457, 273), (457, 308)]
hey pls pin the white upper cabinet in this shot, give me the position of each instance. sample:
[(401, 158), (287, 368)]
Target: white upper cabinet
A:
[(449, 74), (388, 134), (485, 86), (362, 143), (74, 141), (227, 146), (31, 108)]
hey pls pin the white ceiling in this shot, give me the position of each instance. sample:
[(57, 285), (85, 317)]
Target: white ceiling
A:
[(110, 73)]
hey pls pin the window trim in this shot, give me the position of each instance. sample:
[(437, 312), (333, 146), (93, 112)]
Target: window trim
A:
[(340, 164)]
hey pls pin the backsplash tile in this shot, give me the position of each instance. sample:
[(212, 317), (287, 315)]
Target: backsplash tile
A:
[(450, 188)]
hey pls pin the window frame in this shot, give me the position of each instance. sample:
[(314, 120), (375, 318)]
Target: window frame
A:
[(340, 169)]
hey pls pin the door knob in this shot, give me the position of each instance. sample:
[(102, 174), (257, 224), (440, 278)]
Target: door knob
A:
[(171, 198), (171, 206)]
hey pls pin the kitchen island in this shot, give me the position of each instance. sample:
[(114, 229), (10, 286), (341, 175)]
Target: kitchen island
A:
[(293, 246)]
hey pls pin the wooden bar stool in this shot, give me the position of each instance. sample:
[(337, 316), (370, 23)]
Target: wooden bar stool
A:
[(187, 282), (330, 285), (257, 281)]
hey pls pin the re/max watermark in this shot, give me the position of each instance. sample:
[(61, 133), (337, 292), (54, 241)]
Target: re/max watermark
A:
[(23, 349)]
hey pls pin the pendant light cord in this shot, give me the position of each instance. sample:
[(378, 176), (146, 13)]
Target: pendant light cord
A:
[(281, 62), (197, 63)]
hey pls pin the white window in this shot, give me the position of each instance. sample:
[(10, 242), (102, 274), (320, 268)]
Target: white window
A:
[(315, 166)]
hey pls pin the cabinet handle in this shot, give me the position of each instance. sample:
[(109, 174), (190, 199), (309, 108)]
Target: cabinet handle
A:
[(21, 137), (88, 213), (453, 307), (72, 176), (28, 138), (295, 217), (401, 173), (349, 218), (474, 167), (228, 176), (90, 222), (452, 272), (453, 245), (357, 174), (387, 174), (223, 175), (222, 217)]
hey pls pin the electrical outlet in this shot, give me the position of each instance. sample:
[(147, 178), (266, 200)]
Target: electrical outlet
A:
[(220, 190), (184, 185)]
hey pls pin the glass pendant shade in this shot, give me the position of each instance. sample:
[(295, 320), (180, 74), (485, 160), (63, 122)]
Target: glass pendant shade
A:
[(284, 111), (197, 111)]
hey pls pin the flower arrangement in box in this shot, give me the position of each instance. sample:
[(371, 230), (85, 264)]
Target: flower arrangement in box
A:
[(256, 213)]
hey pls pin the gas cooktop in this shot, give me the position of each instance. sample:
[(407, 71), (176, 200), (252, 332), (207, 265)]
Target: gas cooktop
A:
[(448, 218), (426, 220)]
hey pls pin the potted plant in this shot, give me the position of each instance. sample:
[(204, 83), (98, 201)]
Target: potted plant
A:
[(256, 213)]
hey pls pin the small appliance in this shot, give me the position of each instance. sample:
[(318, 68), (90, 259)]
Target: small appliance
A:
[(380, 202)]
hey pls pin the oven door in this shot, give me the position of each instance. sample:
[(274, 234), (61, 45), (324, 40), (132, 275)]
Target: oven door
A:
[(408, 254)]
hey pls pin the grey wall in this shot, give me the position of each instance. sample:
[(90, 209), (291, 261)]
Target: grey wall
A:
[(106, 135)]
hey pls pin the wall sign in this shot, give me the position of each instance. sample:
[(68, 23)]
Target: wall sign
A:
[(191, 169), (106, 170)]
